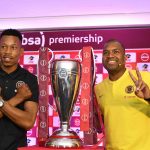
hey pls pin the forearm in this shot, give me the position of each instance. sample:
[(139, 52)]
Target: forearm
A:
[(23, 118), (1, 114), (14, 101)]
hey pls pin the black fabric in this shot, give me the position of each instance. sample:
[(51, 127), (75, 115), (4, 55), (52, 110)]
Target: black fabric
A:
[(12, 136)]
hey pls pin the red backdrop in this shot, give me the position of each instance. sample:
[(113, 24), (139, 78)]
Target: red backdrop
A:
[(67, 43)]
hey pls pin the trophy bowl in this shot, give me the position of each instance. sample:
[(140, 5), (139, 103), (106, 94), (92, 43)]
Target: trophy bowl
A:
[(65, 77)]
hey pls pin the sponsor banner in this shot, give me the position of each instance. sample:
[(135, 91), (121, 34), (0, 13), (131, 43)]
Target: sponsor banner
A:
[(144, 66), (131, 57), (31, 68), (31, 141), (143, 56), (76, 39)]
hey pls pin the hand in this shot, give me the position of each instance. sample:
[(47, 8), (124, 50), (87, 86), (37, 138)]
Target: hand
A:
[(24, 92), (142, 89)]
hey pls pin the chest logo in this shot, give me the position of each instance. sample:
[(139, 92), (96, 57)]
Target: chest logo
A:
[(129, 89), (19, 83)]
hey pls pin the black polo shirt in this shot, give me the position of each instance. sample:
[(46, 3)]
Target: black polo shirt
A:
[(12, 136)]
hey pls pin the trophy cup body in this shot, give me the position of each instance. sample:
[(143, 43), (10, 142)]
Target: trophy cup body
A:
[(65, 79)]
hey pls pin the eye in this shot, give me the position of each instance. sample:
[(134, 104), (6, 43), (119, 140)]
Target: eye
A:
[(105, 53), (3, 46), (116, 51), (14, 47)]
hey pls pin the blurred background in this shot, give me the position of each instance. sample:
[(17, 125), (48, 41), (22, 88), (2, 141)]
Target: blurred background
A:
[(36, 14)]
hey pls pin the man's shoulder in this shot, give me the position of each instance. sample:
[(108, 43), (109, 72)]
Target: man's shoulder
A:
[(23, 70), (145, 75), (27, 73), (141, 72), (101, 83)]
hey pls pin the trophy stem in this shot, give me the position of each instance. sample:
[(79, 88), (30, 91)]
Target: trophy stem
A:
[(65, 126)]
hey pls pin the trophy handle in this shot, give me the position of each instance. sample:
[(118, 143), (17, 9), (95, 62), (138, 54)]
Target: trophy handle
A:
[(94, 73), (51, 59), (80, 55), (49, 65)]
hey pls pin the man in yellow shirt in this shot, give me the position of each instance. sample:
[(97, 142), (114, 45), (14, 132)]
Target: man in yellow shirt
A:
[(124, 100)]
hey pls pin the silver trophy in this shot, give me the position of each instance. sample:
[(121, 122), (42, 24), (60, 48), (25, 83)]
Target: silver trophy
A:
[(65, 79)]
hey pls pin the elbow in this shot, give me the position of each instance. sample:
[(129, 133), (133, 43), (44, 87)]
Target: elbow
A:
[(28, 125)]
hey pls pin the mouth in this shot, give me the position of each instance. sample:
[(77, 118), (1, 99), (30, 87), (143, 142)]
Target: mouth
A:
[(111, 62), (7, 59)]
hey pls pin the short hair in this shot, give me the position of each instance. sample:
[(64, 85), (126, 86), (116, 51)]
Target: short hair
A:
[(114, 40), (12, 32)]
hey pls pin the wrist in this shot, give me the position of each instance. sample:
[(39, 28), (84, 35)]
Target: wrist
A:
[(147, 99), (18, 97), (1, 102)]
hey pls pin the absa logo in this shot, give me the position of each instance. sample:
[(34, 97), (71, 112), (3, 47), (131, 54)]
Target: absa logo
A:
[(34, 40)]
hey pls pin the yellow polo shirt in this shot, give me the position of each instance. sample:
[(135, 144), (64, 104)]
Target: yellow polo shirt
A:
[(126, 117)]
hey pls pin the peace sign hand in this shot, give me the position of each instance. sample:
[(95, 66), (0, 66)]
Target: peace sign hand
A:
[(142, 89)]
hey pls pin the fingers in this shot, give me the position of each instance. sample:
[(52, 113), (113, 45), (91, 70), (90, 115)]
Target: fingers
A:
[(140, 86), (132, 77), (138, 74), (24, 91), (143, 85), (139, 83), (24, 88)]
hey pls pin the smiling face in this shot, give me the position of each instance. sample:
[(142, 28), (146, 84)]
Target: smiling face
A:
[(10, 52), (113, 57)]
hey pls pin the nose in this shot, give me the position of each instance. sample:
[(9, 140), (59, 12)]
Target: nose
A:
[(111, 54), (8, 50)]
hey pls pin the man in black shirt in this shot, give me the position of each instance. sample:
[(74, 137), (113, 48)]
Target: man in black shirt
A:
[(18, 93)]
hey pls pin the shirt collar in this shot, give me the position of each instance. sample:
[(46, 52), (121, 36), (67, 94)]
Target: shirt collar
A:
[(12, 74)]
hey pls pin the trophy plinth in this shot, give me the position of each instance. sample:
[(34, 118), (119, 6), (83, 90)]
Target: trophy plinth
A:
[(65, 79), (64, 138)]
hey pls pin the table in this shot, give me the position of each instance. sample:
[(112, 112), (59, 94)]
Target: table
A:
[(44, 148)]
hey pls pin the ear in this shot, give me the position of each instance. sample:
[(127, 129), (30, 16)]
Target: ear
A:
[(125, 57)]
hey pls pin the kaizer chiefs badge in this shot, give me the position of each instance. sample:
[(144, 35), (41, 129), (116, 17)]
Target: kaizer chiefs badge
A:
[(129, 89)]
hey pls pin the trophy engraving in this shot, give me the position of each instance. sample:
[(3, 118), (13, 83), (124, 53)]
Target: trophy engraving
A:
[(65, 80)]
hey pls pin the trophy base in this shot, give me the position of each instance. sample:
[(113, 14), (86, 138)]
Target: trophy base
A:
[(64, 139)]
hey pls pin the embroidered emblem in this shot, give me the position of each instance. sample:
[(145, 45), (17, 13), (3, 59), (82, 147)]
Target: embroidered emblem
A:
[(129, 89), (19, 83)]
